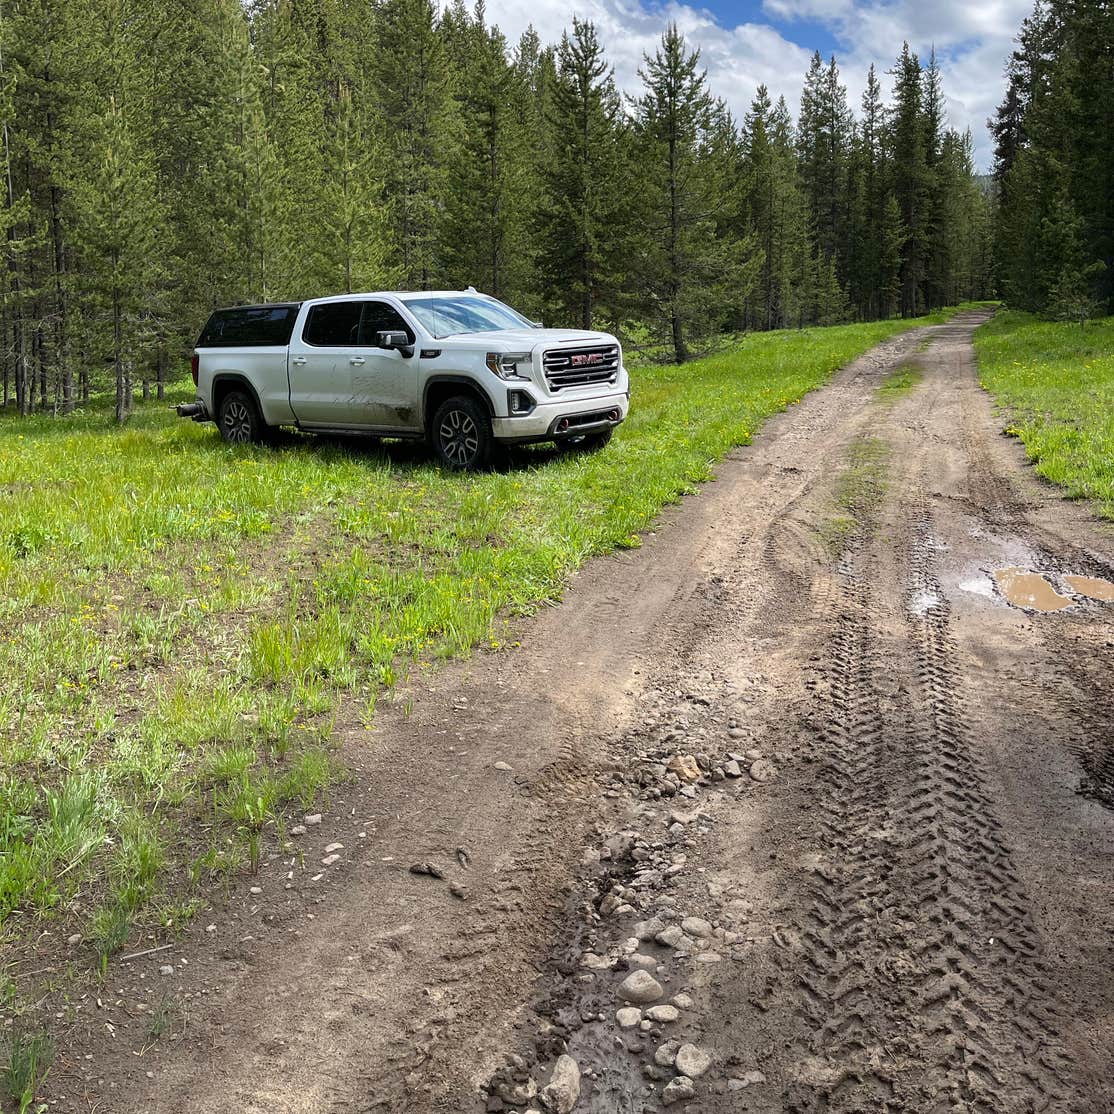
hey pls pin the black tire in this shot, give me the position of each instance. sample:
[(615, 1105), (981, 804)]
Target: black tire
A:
[(589, 443), (461, 434), (239, 420)]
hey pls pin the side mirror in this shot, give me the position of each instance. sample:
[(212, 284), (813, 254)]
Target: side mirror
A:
[(398, 341)]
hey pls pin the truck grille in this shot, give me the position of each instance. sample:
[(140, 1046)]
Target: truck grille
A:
[(580, 367)]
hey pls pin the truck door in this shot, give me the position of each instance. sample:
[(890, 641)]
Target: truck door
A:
[(321, 365), (385, 383)]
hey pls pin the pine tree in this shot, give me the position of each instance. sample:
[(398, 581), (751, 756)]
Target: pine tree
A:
[(686, 272), (868, 199), (907, 157), (118, 215), (824, 143), (583, 216), (491, 186), (413, 87), (775, 210)]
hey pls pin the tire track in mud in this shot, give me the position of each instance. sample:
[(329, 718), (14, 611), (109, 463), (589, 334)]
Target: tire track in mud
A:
[(987, 1000), (918, 981)]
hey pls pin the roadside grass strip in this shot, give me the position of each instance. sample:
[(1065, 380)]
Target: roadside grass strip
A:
[(1056, 384), (181, 618)]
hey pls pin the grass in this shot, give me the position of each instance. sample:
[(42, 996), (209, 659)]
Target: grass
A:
[(30, 1056), (1056, 384), (901, 381), (183, 621)]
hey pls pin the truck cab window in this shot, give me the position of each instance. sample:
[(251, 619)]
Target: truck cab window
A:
[(333, 324), (382, 317)]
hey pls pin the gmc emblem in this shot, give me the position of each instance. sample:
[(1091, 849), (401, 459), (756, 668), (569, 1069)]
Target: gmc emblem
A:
[(581, 359)]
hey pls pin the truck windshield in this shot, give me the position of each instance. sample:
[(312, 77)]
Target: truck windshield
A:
[(445, 317)]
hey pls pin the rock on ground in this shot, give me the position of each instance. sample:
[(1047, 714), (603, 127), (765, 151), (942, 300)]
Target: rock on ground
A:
[(563, 1090), (640, 987), (692, 1061)]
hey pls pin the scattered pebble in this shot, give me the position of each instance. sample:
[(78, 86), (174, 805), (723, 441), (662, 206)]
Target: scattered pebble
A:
[(663, 1013), (670, 937), (762, 770), (432, 869), (748, 1079), (503, 766), (563, 1090), (666, 1055), (74, 940), (628, 1017), (328, 860), (334, 847), (684, 766), (696, 926), (682, 1001), (298, 830), (312, 819), (640, 987), (692, 1061), (678, 1090), (166, 969)]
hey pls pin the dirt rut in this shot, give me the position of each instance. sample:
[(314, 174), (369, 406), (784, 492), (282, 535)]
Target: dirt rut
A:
[(921, 899)]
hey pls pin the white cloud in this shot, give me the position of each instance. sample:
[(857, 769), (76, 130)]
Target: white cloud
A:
[(972, 42)]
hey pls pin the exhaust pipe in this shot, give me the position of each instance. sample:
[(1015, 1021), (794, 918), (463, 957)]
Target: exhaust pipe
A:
[(562, 425), (195, 410)]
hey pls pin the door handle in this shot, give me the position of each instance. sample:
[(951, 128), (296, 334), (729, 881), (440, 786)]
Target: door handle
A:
[(357, 361), (298, 361)]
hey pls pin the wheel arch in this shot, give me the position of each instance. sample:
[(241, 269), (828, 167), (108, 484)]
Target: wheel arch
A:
[(225, 382), (439, 388)]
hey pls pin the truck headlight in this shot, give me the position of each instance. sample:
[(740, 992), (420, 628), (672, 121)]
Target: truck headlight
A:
[(506, 364)]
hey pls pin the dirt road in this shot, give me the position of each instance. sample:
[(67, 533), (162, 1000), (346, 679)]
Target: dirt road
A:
[(890, 887)]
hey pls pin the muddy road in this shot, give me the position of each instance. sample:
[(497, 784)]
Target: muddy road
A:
[(795, 785)]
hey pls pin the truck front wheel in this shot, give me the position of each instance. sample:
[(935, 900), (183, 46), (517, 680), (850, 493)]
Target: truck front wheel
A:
[(239, 420), (461, 434)]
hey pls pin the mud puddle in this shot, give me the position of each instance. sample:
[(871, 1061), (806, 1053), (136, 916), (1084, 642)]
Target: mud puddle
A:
[(1029, 590), (1093, 587), (1033, 591)]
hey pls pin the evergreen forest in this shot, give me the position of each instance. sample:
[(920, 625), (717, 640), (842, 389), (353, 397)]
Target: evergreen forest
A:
[(163, 157)]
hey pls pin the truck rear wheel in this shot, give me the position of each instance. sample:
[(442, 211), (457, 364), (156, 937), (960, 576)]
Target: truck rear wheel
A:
[(239, 420), (461, 434)]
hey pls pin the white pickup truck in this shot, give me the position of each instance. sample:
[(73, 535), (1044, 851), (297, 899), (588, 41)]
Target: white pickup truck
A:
[(458, 368)]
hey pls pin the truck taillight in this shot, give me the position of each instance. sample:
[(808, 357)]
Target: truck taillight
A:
[(195, 360)]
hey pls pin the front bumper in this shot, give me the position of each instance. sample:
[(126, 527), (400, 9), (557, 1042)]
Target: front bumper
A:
[(550, 421)]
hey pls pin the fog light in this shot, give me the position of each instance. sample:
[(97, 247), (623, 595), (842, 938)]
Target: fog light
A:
[(520, 402)]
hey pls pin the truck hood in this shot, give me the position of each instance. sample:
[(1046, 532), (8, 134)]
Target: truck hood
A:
[(526, 339)]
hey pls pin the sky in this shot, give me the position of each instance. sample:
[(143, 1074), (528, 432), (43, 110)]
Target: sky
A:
[(745, 44)]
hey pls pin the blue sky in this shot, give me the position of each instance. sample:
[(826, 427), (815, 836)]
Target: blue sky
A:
[(744, 44)]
